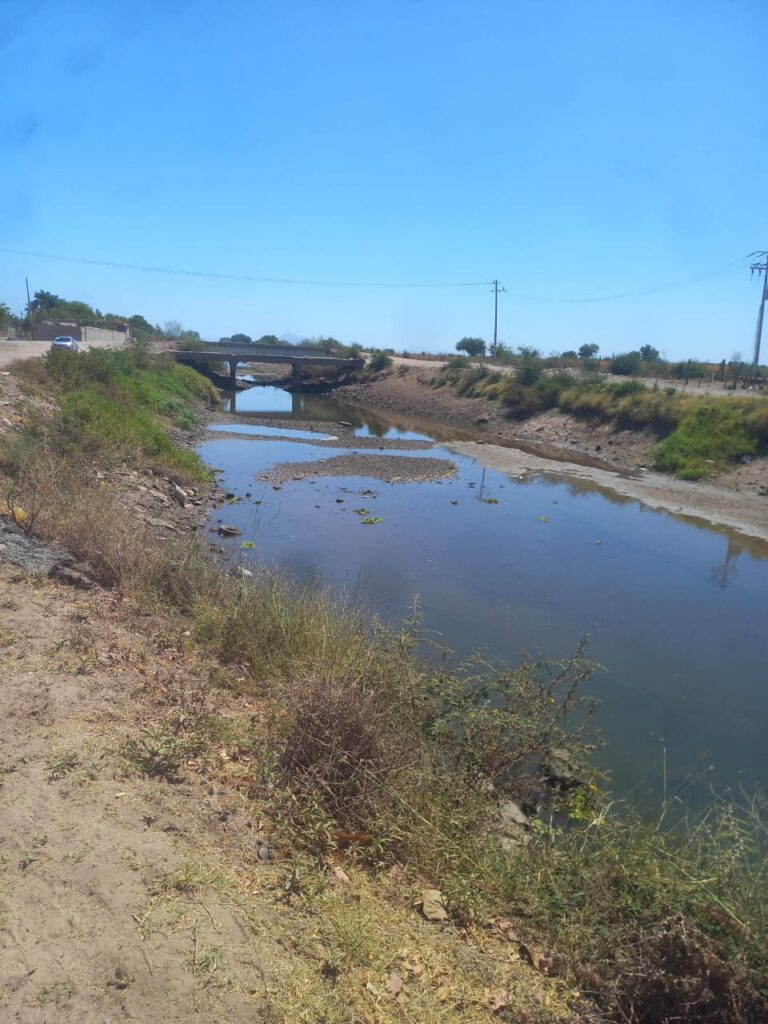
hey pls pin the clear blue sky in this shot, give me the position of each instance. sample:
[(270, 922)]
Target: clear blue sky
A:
[(570, 148)]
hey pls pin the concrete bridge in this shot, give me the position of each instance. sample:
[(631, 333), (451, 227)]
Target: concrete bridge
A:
[(298, 356)]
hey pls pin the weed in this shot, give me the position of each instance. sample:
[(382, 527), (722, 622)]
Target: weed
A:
[(209, 961), (62, 765), (159, 754), (57, 993)]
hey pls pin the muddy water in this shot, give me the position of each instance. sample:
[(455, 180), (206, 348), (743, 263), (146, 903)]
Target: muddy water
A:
[(673, 609)]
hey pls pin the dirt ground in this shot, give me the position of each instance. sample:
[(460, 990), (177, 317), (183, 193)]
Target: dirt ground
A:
[(557, 443), (92, 925)]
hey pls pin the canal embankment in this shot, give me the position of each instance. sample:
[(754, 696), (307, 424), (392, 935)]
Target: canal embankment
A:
[(608, 455)]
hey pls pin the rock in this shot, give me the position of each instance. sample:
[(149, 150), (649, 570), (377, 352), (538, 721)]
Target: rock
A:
[(28, 554), (344, 423), (72, 577), (266, 852), (432, 905), (228, 531), (511, 814), (561, 768), (513, 826), (179, 494)]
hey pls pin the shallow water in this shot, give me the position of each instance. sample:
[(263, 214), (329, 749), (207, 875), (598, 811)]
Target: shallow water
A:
[(259, 430), (671, 607)]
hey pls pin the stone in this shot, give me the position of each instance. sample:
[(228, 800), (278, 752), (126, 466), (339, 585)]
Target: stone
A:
[(72, 577), (179, 494), (228, 531), (561, 768), (432, 905)]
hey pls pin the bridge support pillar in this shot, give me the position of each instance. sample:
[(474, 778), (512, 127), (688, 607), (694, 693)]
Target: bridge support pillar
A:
[(233, 373), (297, 375)]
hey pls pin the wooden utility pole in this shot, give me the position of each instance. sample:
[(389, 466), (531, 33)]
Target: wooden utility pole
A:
[(496, 291), (759, 268), (29, 307)]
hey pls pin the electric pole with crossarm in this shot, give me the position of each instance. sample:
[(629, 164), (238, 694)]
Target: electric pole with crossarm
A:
[(759, 268), (496, 290)]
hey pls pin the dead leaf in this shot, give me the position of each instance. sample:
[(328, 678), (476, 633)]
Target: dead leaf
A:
[(341, 874), (413, 968), (499, 1001), (538, 959), (395, 986), (507, 929), (432, 905), (442, 993)]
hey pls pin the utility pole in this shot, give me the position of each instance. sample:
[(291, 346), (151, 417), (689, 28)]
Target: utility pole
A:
[(29, 306), (496, 291), (759, 268)]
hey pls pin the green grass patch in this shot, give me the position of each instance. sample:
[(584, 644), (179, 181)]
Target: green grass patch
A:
[(707, 439), (120, 403)]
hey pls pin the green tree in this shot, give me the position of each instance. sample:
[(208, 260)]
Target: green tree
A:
[(43, 301), (588, 351), (569, 354), (5, 316), (649, 354), (472, 346), (173, 329), (625, 365), (241, 339)]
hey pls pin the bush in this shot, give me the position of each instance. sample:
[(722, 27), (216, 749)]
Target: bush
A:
[(626, 365), (379, 361), (529, 372)]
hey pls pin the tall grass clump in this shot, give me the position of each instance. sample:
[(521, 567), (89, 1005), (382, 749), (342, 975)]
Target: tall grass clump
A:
[(659, 922)]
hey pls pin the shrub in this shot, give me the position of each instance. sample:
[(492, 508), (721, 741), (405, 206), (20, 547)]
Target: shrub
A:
[(529, 372), (379, 361), (626, 365)]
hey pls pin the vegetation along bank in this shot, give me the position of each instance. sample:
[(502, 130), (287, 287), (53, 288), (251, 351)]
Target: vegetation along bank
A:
[(695, 453), (311, 822)]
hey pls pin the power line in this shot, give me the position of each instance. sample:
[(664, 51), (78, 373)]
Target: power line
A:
[(253, 279), (669, 286), (245, 277)]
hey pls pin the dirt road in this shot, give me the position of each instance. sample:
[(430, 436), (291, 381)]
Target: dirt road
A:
[(14, 348), (695, 387)]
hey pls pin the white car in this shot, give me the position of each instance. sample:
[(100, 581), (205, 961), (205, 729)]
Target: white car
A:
[(66, 342)]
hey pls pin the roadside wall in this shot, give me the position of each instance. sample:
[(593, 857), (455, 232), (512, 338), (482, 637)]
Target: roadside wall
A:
[(92, 336), (100, 337)]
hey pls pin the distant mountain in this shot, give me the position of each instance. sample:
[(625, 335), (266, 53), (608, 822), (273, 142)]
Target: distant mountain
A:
[(291, 339)]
